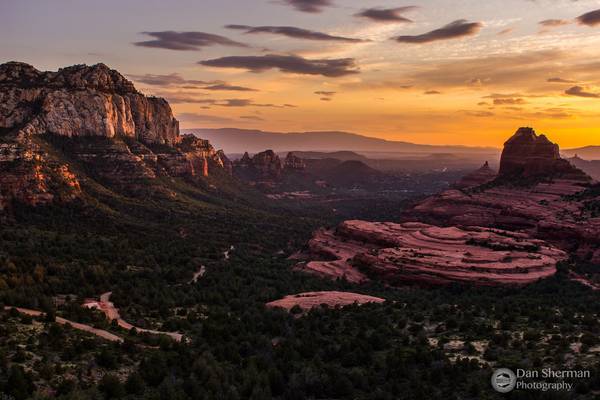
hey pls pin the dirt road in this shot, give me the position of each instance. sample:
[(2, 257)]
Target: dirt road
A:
[(75, 325), (112, 313)]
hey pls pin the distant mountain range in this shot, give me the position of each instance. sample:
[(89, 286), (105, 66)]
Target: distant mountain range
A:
[(240, 140), (587, 152)]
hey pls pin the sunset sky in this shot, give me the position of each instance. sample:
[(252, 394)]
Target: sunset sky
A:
[(430, 71)]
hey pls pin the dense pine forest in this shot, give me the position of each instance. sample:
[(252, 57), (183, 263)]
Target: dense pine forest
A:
[(423, 343)]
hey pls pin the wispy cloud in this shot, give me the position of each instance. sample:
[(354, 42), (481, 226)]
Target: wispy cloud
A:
[(309, 6), (559, 80), (204, 118), (228, 87), (294, 32), (509, 101), (249, 103), (386, 14), (287, 63), (186, 41), (167, 80), (454, 30), (548, 25), (252, 118), (591, 18), (580, 91)]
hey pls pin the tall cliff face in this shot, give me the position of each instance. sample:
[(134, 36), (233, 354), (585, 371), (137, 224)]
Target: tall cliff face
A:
[(82, 101), (96, 117)]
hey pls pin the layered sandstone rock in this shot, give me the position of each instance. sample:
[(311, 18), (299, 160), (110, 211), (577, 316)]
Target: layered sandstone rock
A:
[(95, 116), (546, 206), (266, 169), (309, 300), (28, 175), (426, 254), (492, 227), (267, 164), (227, 164), (82, 101), (294, 163), (526, 154)]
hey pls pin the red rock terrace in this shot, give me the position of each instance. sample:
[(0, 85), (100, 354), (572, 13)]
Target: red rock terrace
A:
[(506, 228), (419, 253), (536, 192)]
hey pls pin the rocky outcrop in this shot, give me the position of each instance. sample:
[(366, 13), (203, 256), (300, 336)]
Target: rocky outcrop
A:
[(92, 115), (227, 164), (294, 163), (547, 206), (479, 177), (526, 155), (267, 165), (82, 101), (263, 169), (309, 300), (29, 176), (419, 253), (590, 167), (488, 229)]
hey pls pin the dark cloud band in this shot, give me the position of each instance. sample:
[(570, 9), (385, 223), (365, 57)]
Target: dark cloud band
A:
[(309, 6), (226, 86), (287, 63), (453, 30), (293, 32), (590, 19), (579, 91), (386, 14), (186, 41)]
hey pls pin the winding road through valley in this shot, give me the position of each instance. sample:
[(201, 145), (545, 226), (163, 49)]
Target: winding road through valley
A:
[(75, 325), (112, 313)]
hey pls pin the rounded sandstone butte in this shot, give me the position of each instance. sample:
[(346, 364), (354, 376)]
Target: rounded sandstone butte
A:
[(309, 300), (420, 253), (526, 154)]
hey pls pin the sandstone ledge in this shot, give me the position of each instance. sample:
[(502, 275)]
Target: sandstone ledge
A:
[(420, 253), (309, 300)]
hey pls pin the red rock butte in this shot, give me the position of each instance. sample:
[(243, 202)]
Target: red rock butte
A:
[(526, 154), (488, 229), (551, 206)]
